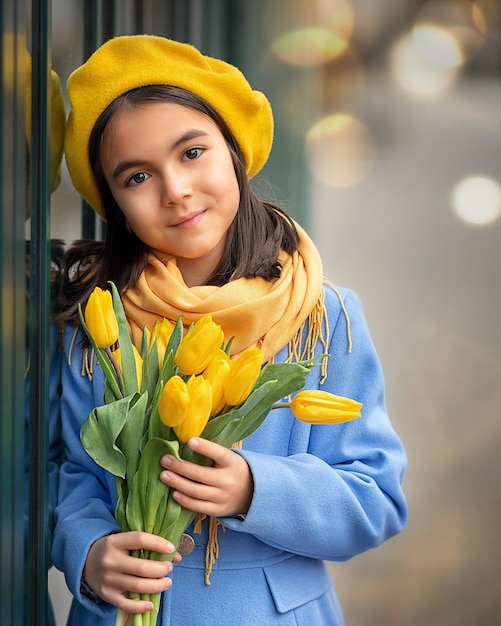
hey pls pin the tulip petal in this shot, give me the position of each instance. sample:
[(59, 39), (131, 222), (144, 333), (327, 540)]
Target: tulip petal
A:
[(242, 377), (198, 347), (174, 402)]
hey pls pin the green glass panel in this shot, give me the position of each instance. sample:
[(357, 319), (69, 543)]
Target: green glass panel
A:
[(12, 309)]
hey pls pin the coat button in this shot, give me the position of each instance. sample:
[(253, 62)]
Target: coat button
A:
[(186, 544)]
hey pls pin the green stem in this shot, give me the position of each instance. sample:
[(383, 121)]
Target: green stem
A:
[(134, 595), (281, 405), (124, 619), (138, 619), (150, 618), (117, 369)]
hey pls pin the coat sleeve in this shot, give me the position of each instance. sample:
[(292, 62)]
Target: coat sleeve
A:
[(85, 508), (331, 491)]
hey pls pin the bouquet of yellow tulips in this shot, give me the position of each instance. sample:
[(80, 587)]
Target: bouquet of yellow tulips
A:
[(182, 383)]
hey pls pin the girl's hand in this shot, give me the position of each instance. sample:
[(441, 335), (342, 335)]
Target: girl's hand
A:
[(111, 571), (224, 489)]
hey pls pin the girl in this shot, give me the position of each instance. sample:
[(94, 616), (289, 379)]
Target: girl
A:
[(162, 142)]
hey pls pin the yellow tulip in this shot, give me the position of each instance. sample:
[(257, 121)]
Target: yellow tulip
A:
[(198, 346), (138, 360), (242, 376), (174, 402), (200, 392), (321, 407), (216, 374), (100, 318), (161, 332)]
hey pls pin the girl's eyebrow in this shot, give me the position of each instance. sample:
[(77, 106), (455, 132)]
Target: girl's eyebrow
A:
[(193, 133)]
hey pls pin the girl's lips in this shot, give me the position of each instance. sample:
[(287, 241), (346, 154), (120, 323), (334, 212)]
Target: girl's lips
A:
[(190, 220)]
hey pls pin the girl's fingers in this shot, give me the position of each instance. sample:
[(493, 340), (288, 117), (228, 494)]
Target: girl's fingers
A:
[(145, 568), (222, 458), (138, 540), (210, 449), (134, 584), (127, 604)]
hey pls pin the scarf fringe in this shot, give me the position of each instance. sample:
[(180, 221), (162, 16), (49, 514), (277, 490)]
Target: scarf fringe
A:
[(212, 549)]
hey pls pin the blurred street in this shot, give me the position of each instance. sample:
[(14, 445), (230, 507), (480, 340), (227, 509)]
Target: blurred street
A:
[(430, 285)]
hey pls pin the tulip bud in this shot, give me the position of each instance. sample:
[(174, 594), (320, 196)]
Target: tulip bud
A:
[(161, 332), (198, 346), (200, 392), (100, 318), (174, 402), (321, 407), (242, 376), (216, 374)]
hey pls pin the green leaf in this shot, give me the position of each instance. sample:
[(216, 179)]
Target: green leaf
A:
[(227, 348), (177, 335), (176, 521), (144, 344), (120, 513), (99, 434), (131, 435), (150, 369), (156, 428), (125, 343), (290, 376), (150, 364), (109, 394), (168, 368), (150, 489), (133, 513), (169, 365)]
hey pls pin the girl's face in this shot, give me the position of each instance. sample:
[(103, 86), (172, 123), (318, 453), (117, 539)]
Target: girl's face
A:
[(170, 171)]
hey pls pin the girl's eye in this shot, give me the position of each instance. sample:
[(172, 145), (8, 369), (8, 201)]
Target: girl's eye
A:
[(192, 153), (137, 179)]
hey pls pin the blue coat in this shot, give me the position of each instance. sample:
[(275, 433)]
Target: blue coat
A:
[(321, 493)]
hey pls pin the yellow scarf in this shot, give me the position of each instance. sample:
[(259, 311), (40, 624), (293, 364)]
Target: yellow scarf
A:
[(254, 311)]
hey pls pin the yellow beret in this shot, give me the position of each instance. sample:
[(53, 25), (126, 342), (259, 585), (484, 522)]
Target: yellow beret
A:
[(126, 62), (57, 122)]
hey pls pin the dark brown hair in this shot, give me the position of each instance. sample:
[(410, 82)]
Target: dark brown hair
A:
[(257, 234)]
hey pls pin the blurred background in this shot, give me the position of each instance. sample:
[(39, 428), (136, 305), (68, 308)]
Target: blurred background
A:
[(388, 150)]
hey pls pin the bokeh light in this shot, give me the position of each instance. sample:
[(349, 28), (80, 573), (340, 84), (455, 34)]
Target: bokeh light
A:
[(426, 62), (476, 200), (437, 46), (454, 19), (340, 150), (308, 46), (308, 33), (486, 15), (418, 75), (478, 18)]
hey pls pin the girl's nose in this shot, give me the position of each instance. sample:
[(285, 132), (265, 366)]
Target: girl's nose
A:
[(176, 186)]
